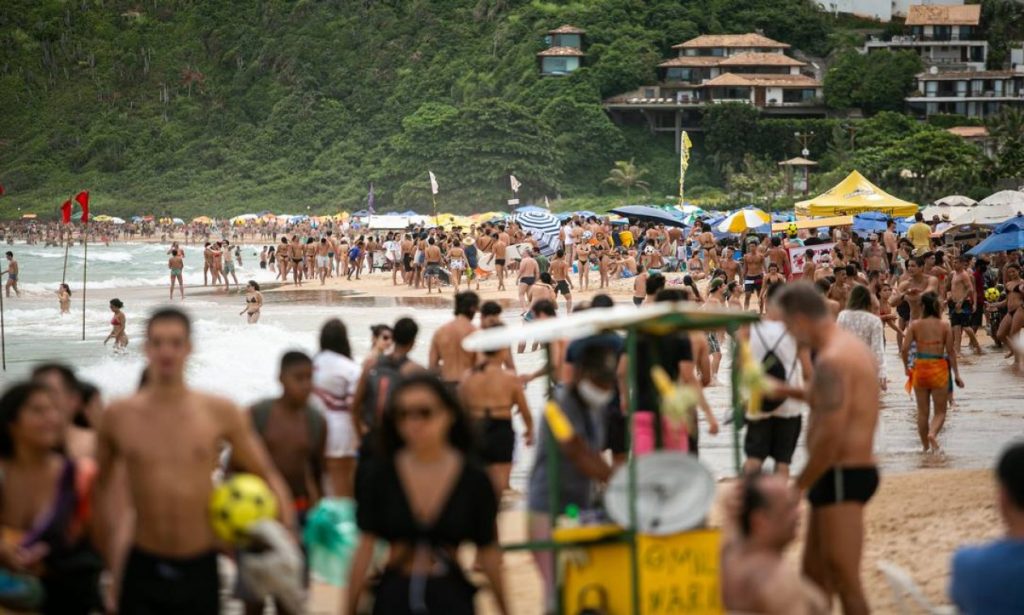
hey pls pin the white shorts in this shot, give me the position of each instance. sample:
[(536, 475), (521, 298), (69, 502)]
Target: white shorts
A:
[(341, 439), (321, 261)]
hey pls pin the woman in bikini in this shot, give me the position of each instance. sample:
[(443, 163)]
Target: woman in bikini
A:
[(64, 298), (583, 261), (929, 371), (253, 302), (44, 512), (456, 264), (118, 322), (176, 264), (489, 393)]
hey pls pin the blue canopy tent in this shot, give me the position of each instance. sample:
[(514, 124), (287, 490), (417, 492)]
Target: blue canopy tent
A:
[(1008, 236), (408, 213), (650, 214), (876, 222)]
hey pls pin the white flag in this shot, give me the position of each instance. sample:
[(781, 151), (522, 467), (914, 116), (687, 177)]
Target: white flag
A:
[(547, 203), (515, 183), (433, 182)]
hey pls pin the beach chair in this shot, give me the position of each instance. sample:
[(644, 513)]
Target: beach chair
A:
[(907, 596)]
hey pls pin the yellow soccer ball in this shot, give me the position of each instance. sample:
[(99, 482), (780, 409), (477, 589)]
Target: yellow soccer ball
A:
[(992, 294), (237, 504), (792, 229)]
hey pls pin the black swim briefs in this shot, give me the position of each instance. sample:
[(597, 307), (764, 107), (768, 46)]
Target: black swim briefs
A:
[(529, 280), (158, 585), (839, 485)]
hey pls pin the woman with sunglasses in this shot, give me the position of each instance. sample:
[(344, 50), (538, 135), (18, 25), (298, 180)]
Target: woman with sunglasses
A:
[(423, 494), (381, 342)]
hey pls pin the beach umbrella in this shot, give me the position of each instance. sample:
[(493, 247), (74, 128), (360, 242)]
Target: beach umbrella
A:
[(989, 215), (136, 219), (101, 218), (1014, 198), (743, 220), (116, 220), (544, 227), (530, 208), (956, 200), (690, 213), (201, 220), (177, 221), (586, 213), (1006, 237), (243, 218), (649, 214)]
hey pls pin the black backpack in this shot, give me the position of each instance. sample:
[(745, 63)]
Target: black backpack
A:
[(381, 381), (774, 367), (260, 412)]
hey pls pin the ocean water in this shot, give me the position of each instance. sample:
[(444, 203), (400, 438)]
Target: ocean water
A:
[(239, 361)]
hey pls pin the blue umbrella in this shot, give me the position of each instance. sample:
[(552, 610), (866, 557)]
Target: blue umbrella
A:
[(1008, 236), (876, 222), (408, 213), (544, 227), (650, 214)]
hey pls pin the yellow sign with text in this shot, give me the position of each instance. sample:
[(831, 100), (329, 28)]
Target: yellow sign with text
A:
[(678, 575)]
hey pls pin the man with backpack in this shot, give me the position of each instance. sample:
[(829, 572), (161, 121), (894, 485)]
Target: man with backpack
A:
[(380, 377), (774, 430)]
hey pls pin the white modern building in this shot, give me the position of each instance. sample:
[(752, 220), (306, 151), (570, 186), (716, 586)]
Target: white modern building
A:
[(971, 93), (945, 35)]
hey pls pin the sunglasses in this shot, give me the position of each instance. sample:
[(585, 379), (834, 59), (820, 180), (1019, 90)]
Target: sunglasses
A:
[(385, 338), (423, 413)]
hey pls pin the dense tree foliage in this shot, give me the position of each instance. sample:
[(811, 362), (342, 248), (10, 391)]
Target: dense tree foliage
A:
[(876, 82)]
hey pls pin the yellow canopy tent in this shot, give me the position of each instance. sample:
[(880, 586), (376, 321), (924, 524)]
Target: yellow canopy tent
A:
[(855, 195)]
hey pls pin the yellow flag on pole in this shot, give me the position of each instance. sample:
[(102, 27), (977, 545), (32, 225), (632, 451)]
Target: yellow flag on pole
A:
[(684, 161)]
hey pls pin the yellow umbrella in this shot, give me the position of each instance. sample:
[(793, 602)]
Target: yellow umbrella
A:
[(341, 216), (101, 218), (203, 220), (743, 220)]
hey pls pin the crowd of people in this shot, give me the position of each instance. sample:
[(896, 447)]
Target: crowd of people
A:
[(109, 504)]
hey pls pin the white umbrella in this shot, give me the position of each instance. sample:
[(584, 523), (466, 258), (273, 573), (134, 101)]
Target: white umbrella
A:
[(116, 220), (1004, 197), (956, 200), (989, 215), (743, 220)]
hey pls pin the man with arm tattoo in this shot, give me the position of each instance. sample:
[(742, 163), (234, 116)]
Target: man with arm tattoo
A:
[(841, 474)]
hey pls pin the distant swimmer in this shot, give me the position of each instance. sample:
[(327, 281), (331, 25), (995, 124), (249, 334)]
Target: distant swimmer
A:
[(841, 474), (64, 298), (12, 275), (117, 323), (176, 263)]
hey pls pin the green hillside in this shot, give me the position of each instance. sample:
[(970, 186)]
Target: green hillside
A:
[(226, 106)]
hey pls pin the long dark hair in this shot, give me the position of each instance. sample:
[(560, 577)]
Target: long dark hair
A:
[(859, 299), (460, 435), (930, 305), (334, 337), (13, 400)]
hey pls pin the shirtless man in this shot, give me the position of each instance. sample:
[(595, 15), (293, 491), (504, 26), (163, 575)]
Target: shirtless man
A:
[(841, 473), (176, 263), (810, 267), (370, 404), (753, 273), (874, 255), (529, 271), (228, 266), (840, 290), (774, 278), (914, 284), (208, 264), (167, 439), (296, 254), (12, 276), (562, 277), (447, 357), (963, 301), (407, 249), (729, 265), (762, 523), (323, 264), (891, 245), (848, 248), (500, 247), (432, 258), (490, 317), (777, 255)]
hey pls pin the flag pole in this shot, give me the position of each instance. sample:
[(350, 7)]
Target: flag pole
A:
[(85, 270), (67, 247), (433, 198)]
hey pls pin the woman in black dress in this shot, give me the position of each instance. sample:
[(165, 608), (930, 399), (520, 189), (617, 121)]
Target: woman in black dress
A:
[(424, 495)]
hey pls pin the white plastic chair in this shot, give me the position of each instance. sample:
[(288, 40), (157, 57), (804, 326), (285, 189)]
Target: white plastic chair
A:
[(907, 595)]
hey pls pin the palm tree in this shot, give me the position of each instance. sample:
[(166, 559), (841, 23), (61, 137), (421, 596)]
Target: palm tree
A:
[(627, 176), (1007, 133)]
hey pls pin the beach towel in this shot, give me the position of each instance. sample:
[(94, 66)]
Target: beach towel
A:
[(929, 372)]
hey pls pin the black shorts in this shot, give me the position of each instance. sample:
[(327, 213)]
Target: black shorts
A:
[(499, 262), (753, 284), (433, 269), (615, 431), (903, 311), (157, 585), (407, 262), (773, 437), (562, 288), (960, 317), (497, 438), (638, 301), (839, 485), (978, 317)]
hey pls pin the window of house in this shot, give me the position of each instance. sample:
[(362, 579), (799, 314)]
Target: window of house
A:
[(798, 96), (569, 40), (679, 73), (556, 65)]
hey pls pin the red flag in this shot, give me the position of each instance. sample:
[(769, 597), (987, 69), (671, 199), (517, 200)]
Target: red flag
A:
[(65, 212), (1, 189), (83, 199)]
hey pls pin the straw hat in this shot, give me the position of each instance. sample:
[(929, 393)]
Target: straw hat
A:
[(468, 241)]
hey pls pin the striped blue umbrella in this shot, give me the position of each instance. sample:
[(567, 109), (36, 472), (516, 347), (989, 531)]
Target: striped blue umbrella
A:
[(544, 228)]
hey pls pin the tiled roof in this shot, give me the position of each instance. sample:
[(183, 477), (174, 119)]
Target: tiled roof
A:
[(748, 80), (761, 59), (694, 61), (562, 51), (969, 74), (567, 29), (798, 162), (731, 40), (944, 15), (968, 132)]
